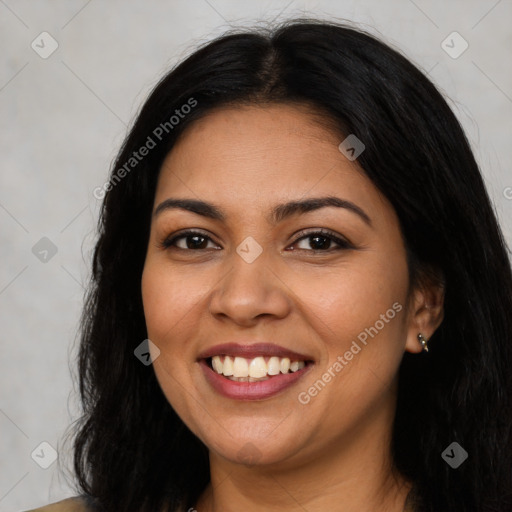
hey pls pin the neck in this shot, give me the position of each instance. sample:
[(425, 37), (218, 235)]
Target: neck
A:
[(354, 474)]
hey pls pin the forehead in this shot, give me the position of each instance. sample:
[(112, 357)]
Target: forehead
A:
[(266, 123), (248, 156)]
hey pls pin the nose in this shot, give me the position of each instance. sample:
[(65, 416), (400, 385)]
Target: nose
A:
[(250, 292)]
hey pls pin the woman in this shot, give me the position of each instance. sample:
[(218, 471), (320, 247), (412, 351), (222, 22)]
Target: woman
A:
[(296, 234)]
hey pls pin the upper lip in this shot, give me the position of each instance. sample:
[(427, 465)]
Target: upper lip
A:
[(252, 350)]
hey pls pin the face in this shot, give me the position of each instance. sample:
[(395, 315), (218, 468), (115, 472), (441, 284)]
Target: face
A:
[(280, 328)]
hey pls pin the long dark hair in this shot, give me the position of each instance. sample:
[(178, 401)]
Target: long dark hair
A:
[(131, 450)]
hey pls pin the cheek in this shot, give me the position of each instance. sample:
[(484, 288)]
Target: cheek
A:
[(358, 312), (168, 303), (352, 298), (169, 297)]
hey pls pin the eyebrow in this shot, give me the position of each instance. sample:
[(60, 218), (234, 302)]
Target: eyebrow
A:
[(277, 214)]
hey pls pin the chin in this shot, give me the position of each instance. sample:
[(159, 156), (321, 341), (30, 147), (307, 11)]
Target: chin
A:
[(262, 448)]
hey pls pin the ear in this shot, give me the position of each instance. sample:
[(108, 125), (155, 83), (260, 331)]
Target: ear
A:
[(425, 313)]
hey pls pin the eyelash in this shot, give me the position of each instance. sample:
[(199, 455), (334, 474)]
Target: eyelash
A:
[(169, 242)]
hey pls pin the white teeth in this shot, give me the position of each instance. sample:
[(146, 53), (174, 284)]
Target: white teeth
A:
[(296, 365), (240, 367), (273, 367), (258, 368), (284, 365), (217, 364), (251, 370), (228, 366)]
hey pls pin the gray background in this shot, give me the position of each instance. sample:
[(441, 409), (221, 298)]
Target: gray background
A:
[(64, 117)]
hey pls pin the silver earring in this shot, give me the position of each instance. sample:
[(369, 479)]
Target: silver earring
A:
[(423, 341)]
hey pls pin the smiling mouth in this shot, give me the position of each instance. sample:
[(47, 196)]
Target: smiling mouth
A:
[(256, 369)]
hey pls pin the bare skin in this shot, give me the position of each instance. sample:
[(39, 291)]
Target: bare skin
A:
[(332, 452)]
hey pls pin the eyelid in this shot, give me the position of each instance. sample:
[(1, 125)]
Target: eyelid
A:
[(341, 241), (168, 241)]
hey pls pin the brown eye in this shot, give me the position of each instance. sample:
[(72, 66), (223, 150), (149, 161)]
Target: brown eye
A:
[(322, 241), (188, 240)]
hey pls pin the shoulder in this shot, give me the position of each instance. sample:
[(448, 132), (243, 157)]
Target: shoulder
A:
[(75, 504)]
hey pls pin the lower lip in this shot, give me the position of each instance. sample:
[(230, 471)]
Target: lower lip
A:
[(251, 390)]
